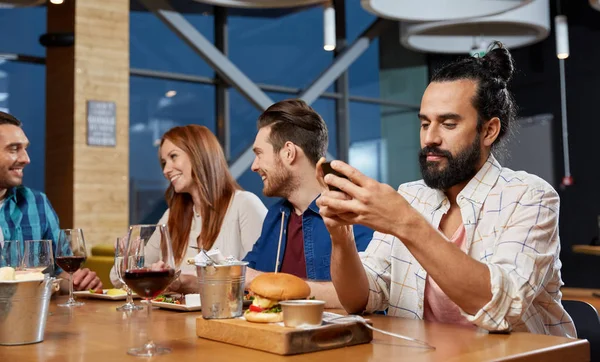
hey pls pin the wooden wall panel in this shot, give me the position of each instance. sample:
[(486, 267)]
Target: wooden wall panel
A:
[(92, 191), (60, 103)]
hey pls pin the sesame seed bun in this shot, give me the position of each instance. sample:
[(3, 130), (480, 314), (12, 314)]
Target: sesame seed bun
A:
[(280, 286)]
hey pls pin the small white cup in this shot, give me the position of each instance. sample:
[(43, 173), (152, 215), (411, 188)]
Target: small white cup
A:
[(192, 300)]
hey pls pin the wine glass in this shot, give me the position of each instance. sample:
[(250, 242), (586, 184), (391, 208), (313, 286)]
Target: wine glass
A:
[(38, 257), (70, 255), (119, 256), (10, 254), (149, 269)]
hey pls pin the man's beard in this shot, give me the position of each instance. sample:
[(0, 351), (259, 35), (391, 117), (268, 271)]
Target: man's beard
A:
[(7, 181), (280, 182), (457, 170), (7, 184)]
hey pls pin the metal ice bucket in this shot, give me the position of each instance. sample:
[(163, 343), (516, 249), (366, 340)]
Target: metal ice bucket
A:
[(221, 289), (24, 310)]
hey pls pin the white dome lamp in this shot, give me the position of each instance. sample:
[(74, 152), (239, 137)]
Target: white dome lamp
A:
[(523, 26), (20, 3), (595, 4), (262, 4), (436, 10)]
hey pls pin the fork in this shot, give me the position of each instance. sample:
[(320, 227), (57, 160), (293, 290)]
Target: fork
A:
[(364, 322)]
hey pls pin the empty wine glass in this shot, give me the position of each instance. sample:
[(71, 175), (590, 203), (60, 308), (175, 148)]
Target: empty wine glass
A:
[(119, 269), (10, 254), (38, 256), (149, 269), (70, 255)]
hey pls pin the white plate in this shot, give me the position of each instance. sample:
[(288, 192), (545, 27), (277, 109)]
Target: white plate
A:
[(87, 294), (179, 307)]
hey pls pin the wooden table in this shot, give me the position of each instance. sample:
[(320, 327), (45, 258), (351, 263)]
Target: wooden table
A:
[(96, 332), (591, 296), (586, 249)]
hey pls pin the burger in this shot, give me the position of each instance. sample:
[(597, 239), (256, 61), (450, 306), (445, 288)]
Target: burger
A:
[(269, 289)]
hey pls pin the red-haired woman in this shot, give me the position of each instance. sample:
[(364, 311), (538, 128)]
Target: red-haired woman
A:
[(207, 208)]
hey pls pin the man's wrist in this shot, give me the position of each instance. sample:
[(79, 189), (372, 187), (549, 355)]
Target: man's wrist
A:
[(342, 235), (409, 227)]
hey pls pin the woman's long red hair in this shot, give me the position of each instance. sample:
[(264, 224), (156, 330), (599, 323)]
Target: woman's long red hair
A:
[(215, 184)]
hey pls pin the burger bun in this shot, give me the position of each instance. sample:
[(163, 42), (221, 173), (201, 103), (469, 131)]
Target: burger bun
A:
[(280, 286), (261, 317)]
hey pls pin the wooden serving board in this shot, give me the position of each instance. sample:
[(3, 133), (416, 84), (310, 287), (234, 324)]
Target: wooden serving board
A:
[(275, 338)]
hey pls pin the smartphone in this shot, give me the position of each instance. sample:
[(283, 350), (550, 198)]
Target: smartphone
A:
[(326, 166)]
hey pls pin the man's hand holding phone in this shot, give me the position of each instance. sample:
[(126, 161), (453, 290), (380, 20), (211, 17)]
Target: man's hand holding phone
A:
[(335, 225), (327, 169), (361, 200)]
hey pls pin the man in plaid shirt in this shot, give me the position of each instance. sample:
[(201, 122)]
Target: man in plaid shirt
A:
[(473, 243), (26, 214)]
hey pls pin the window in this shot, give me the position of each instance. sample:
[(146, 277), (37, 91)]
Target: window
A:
[(364, 72), (285, 50), (154, 46), (21, 29), (367, 149)]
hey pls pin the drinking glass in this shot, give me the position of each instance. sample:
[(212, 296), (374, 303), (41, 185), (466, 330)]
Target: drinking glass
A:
[(119, 256), (38, 257), (10, 254), (149, 269), (70, 255)]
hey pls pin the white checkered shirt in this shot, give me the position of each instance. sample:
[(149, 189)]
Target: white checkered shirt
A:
[(511, 223)]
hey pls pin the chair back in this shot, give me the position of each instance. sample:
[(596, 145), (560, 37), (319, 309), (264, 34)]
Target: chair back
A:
[(587, 323)]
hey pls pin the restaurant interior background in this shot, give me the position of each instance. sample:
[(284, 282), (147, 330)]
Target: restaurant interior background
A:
[(282, 51)]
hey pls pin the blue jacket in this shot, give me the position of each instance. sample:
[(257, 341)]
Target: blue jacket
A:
[(317, 242)]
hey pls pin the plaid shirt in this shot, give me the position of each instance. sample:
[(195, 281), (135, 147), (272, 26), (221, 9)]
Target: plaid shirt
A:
[(28, 215), (511, 223)]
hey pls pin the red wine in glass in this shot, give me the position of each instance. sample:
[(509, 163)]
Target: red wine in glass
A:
[(149, 267), (148, 283), (70, 264), (70, 255)]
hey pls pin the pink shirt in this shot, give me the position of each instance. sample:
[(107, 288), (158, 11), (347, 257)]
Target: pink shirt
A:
[(438, 307)]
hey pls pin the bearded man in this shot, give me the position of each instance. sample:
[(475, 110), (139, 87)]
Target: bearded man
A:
[(291, 138), (25, 213), (473, 243)]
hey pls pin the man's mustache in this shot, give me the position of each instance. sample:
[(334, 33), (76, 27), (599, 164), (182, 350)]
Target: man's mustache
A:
[(18, 165), (434, 151)]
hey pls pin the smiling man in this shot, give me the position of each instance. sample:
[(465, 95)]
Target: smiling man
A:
[(473, 243), (291, 138), (26, 214)]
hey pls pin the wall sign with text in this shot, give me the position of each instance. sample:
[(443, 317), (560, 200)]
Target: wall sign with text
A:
[(101, 123)]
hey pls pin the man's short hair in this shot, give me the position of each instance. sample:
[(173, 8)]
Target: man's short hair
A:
[(6, 118), (295, 121)]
